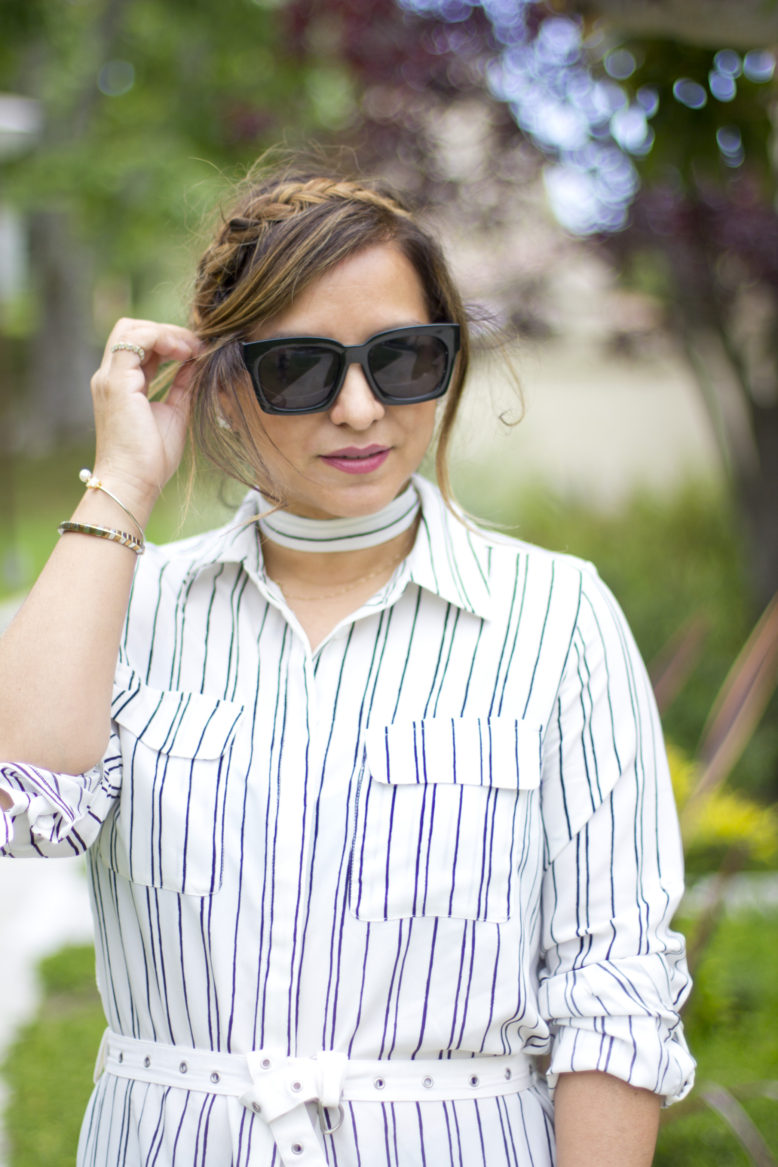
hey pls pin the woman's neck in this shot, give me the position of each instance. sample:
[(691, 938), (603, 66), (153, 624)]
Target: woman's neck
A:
[(323, 587)]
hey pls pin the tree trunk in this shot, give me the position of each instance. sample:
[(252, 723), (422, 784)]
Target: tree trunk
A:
[(62, 357), (759, 504)]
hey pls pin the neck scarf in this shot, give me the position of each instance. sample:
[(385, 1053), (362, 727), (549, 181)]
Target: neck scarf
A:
[(304, 534)]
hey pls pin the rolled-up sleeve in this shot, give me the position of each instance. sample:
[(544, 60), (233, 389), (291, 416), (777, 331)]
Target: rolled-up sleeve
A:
[(56, 815), (613, 975)]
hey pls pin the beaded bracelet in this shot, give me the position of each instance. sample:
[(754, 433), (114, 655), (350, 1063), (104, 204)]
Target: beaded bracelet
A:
[(110, 533), (92, 483)]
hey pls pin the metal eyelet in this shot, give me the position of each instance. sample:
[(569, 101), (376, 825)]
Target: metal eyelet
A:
[(183, 1068), (215, 1077), (120, 1058), (297, 1148), (296, 1086), (256, 1108), (266, 1063), (147, 1061), (379, 1083), (508, 1075), (473, 1079), (427, 1082)]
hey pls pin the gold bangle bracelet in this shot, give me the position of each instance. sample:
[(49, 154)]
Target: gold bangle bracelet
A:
[(92, 483), (109, 533)]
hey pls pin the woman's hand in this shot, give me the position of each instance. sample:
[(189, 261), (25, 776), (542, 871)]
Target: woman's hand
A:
[(140, 442)]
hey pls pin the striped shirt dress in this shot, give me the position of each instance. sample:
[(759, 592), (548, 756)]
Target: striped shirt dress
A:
[(445, 835)]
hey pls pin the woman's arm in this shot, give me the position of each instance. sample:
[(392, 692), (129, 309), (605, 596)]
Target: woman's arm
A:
[(604, 1122), (58, 656)]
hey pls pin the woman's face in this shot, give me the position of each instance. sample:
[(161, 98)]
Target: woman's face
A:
[(356, 457)]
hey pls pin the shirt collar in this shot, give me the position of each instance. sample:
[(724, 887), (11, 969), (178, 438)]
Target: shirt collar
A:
[(449, 558)]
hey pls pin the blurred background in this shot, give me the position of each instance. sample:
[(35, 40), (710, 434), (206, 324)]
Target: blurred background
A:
[(603, 176)]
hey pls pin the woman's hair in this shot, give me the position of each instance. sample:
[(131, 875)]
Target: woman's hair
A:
[(282, 232)]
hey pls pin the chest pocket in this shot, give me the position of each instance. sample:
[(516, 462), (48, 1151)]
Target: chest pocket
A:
[(446, 818), (167, 831)]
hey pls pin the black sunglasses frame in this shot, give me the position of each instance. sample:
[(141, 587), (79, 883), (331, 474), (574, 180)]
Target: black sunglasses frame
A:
[(349, 354)]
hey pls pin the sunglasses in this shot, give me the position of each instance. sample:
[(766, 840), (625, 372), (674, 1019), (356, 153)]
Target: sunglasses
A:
[(304, 374)]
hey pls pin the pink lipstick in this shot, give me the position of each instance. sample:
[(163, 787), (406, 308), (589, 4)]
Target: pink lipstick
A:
[(357, 459)]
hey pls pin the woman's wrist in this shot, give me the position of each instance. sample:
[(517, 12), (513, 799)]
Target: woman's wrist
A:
[(118, 501)]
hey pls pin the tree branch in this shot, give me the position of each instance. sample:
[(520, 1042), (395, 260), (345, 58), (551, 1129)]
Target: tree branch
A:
[(738, 24)]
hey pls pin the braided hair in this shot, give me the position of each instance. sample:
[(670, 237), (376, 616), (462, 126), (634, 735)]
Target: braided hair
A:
[(283, 232)]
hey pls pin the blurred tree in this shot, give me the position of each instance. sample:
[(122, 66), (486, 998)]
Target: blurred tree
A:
[(660, 150), (144, 103)]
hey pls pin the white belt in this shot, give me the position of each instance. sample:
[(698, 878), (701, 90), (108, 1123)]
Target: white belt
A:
[(277, 1087)]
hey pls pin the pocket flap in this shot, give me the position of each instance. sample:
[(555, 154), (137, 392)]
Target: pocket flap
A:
[(171, 721), (501, 752)]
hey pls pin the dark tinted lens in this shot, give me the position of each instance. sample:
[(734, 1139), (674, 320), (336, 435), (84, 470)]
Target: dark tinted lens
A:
[(410, 366), (297, 376)]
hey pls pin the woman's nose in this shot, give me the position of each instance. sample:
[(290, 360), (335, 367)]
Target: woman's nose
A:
[(356, 405)]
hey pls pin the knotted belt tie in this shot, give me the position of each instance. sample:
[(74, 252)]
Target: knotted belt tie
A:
[(278, 1088)]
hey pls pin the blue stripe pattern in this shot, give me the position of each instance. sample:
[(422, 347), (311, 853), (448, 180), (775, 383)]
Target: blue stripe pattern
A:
[(449, 831)]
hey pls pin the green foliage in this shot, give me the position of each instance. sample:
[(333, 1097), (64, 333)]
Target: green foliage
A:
[(731, 1029), (145, 101), (723, 820), (685, 146), (49, 1068)]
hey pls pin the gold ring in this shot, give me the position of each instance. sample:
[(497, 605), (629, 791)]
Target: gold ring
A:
[(126, 345)]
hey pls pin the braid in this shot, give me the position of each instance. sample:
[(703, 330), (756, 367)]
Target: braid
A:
[(286, 199), (265, 209)]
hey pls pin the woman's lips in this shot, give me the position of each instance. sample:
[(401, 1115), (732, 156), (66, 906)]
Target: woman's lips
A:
[(356, 459)]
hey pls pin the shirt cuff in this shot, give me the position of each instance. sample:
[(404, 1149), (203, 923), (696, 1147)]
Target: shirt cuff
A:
[(638, 1050), (51, 814)]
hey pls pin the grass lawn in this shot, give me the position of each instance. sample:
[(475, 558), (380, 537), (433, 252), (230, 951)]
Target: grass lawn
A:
[(40, 492), (731, 1026)]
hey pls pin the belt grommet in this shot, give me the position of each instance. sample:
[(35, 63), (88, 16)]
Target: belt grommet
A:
[(183, 1068), (265, 1063), (296, 1087), (215, 1077), (147, 1061), (256, 1108), (473, 1079), (297, 1148), (120, 1058), (427, 1082), (508, 1075), (379, 1083)]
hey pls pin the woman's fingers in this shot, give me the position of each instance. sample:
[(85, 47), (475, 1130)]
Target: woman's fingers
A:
[(145, 344), (140, 442)]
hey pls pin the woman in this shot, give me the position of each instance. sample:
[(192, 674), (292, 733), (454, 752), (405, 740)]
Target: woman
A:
[(375, 803)]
